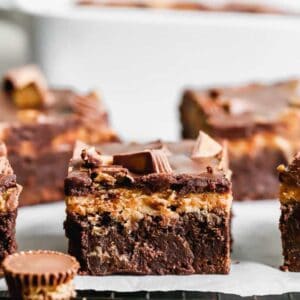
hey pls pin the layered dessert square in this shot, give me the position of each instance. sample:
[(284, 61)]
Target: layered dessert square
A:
[(39, 126), (289, 224), (261, 123), (156, 208), (9, 196)]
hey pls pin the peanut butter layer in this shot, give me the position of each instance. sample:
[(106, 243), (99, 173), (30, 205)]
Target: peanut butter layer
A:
[(132, 205), (289, 194), (9, 199), (60, 292)]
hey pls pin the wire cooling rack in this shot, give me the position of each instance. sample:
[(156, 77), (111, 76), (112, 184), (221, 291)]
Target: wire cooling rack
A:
[(182, 295)]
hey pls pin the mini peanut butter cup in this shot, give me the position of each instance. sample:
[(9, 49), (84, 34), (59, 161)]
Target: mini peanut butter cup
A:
[(40, 274)]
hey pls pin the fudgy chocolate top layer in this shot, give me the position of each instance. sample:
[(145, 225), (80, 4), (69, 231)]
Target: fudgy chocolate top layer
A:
[(186, 167), (235, 112), (290, 175)]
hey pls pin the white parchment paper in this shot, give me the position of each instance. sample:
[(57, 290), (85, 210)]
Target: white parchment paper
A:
[(255, 259)]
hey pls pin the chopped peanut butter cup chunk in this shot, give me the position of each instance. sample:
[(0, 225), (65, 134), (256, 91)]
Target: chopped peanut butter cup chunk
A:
[(145, 162), (27, 87), (205, 147), (41, 275), (155, 208)]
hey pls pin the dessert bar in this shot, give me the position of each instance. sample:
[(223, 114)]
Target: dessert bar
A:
[(261, 123), (9, 195), (156, 208), (39, 127), (290, 214)]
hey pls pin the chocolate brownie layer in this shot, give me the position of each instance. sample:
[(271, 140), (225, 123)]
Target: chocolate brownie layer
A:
[(289, 196), (290, 234), (8, 243), (9, 195), (42, 175), (193, 243), (254, 177)]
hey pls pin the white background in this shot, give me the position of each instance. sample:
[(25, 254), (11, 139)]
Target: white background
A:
[(142, 59)]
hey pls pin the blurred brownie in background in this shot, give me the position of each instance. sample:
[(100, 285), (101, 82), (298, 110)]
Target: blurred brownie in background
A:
[(289, 224), (156, 208), (40, 125), (9, 199), (193, 5), (261, 123)]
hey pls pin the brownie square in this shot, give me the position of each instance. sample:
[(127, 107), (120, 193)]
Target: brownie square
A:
[(39, 125), (261, 124), (9, 195), (289, 224), (156, 208)]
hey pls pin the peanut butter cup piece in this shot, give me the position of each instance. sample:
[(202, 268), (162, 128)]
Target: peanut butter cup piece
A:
[(144, 162), (205, 147), (40, 274), (27, 87)]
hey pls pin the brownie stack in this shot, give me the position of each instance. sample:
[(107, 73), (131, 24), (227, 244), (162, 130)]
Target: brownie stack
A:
[(40, 125), (157, 208), (261, 123)]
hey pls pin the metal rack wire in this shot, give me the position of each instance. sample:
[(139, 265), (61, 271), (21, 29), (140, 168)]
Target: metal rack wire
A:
[(182, 295)]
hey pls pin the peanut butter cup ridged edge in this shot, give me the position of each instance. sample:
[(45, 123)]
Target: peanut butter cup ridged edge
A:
[(19, 277)]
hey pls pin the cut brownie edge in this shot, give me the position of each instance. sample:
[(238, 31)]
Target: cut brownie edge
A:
[(257, 171), (290, 232), (8, 243), (289, 223), (194, 243)]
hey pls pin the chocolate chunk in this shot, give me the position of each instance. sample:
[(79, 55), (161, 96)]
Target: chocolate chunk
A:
[(205, 147), (27, 87), (91, 157), (145, 162)]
